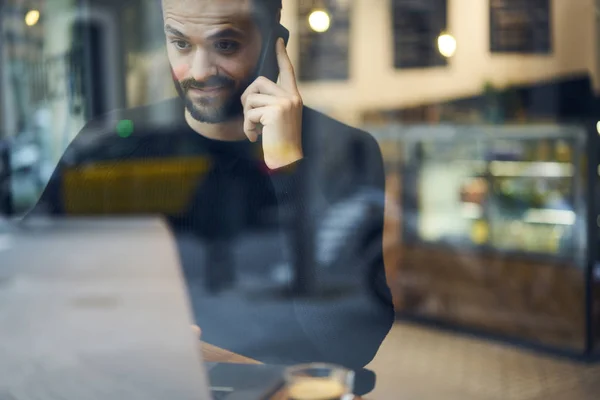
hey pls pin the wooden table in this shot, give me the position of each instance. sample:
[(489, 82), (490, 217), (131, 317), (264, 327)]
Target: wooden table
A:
[(212, 353)]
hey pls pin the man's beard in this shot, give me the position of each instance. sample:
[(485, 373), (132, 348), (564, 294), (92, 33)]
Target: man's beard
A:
[(202, 110)]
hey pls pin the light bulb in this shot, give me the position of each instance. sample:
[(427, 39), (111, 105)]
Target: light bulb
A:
[(446, 45), (319, 21), (32, 17)]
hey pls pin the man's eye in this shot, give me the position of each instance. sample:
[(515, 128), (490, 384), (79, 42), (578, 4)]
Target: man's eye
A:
[(181, 44), (226, 46)]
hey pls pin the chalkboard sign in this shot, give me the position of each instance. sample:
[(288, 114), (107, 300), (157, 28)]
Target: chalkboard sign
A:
[(416, 26), (520, 26), (324, 56)]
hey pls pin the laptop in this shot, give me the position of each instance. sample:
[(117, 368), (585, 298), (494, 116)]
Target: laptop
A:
[(97, 309)]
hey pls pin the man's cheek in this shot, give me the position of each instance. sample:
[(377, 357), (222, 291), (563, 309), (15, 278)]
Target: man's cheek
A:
[(180, 71)]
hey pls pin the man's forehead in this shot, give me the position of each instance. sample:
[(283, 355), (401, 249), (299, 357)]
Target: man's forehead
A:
[(209, 9)]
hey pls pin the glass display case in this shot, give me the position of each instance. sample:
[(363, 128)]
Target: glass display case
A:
[(517, 194), (495, 229)]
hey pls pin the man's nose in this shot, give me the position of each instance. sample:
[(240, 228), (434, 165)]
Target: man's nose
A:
[(202, 66)]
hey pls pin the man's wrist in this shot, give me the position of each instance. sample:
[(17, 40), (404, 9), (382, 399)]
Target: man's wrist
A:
[(283, 156)]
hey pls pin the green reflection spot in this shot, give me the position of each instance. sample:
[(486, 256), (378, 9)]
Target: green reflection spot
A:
[(125, 128)]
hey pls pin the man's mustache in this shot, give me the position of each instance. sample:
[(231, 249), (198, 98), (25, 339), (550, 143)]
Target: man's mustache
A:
[(212, 82)]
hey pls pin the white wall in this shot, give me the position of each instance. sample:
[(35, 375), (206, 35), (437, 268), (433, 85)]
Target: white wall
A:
[(375, 84)]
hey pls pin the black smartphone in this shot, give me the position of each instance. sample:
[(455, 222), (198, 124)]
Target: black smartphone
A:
[(267, 63)]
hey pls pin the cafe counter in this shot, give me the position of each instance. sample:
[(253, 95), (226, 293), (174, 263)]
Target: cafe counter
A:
[(497, 230)]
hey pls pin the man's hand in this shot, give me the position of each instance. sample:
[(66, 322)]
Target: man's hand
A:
[(275, 111)]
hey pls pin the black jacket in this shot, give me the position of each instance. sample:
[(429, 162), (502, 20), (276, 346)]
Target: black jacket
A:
[(349, 312)]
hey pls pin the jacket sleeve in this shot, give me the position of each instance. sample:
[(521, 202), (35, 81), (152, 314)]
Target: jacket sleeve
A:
[(347, 326)]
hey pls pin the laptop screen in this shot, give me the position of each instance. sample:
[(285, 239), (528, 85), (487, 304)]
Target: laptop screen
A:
[(110, 320)]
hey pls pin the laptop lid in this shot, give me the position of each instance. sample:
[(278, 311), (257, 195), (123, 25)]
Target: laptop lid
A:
[(95, 309)]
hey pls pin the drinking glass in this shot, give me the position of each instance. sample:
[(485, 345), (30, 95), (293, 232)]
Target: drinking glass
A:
[(319, 381)]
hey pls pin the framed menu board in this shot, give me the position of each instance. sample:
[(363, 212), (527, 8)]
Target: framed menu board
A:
[(325, 55), (416, 26), (520, 26)]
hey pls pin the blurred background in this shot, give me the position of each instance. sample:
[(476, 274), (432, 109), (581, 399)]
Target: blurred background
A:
[(487, 114)]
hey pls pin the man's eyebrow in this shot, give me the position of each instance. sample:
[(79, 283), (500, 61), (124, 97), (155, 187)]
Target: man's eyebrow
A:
[(227, 33), (174, 32)]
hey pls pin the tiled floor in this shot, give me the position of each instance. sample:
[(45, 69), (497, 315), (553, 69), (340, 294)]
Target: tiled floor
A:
[(418, 363)]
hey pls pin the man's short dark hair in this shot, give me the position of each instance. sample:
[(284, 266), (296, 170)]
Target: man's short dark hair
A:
[(272, 5)]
